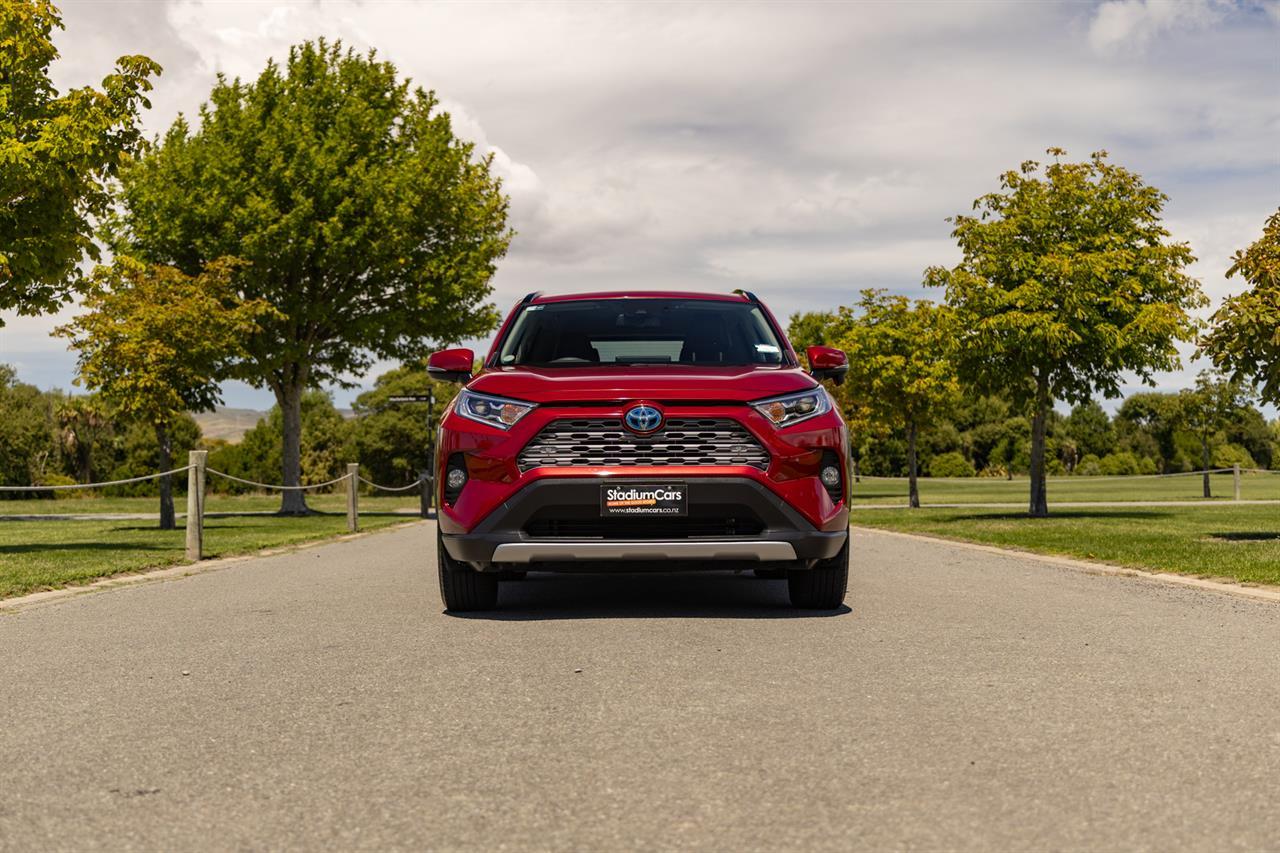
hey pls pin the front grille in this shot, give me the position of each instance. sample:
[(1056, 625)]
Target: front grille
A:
[(580, 523), (583, 442)]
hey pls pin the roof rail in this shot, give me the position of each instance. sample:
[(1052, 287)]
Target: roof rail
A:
[(529, 297), (750, 297)]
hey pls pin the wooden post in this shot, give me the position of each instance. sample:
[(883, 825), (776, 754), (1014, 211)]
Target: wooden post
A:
[(195, 504), (353, 489), (424, 484), (1235, 473)]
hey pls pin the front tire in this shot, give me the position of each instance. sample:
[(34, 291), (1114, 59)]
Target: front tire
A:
[(824, 586), (462, 588)]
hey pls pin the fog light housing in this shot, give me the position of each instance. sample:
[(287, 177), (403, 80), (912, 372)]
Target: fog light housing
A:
[(455, 477), (832, 476)]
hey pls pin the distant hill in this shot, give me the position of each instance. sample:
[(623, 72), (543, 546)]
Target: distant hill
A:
[(231, 424), (228, 424)]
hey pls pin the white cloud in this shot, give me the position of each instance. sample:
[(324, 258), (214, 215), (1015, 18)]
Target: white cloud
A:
[(808, 149), (1128, 24)]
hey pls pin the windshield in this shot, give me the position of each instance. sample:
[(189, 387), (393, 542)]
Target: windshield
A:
[(640, 331)]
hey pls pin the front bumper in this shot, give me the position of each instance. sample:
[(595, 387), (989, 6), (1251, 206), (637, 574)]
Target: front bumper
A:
[(556, 520)]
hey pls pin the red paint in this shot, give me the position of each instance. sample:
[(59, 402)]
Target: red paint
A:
[(607, 391)]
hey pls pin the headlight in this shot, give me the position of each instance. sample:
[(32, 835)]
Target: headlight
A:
[(793, 408), (494, 411)]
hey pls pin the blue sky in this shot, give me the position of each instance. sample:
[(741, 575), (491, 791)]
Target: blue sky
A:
[(801, 151)]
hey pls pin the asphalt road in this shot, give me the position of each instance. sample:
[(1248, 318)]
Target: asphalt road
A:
[(321, 700)]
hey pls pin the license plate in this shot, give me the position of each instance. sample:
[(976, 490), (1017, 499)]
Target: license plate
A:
[(644, 499)]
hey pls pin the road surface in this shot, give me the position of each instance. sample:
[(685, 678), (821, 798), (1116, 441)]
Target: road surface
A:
[(320, 699)]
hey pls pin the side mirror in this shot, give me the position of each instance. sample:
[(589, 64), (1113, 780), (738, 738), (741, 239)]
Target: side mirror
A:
[(827, 363), (451, 365)]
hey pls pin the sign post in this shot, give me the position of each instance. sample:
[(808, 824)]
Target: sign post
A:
[(425, 476)]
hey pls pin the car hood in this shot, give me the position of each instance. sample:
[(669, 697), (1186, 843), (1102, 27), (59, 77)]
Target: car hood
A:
[(659, 383)]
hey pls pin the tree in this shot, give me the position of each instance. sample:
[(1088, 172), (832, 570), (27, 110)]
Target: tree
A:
[(326, 443), (898, 367), (26, 433), (394, 441), (371, 229), (1206, 410), (1244, 334), (84, 424), (155, 342), (55, 154), (1090, 428), (1068, 282)]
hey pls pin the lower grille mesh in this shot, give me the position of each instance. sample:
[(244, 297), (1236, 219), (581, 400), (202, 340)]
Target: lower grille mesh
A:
[(585, 522), (585, 442)]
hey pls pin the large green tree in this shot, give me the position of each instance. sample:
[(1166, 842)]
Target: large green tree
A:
[(1069, 282), (366, 223), (1244, 334), (899, 367), (156, 342), (56, 152)]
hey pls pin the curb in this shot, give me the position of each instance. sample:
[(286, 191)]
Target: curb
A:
[(32, 600), (1254, 592)]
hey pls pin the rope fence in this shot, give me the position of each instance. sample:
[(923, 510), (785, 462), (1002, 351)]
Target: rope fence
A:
[(71, 486), (197, 472), (273, 486), (1072, 478), (414, 485)]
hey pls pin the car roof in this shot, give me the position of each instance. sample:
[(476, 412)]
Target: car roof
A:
[(540, 299)]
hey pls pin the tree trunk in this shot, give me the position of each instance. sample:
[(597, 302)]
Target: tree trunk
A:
[(1039, 504), (1204, 446), (167, 521), (913, 488), (857, 471), (289, 396)]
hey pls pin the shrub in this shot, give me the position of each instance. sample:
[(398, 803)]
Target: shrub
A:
[(1088, 466), (952, 464), (1147, 465), (1232, 454), (1122, 464)]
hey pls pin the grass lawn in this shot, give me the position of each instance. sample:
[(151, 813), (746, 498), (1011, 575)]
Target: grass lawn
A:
[(213, 503), (37, 555), (1238, 542), (986, 490)]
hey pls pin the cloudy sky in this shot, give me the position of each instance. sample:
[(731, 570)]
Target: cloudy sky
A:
[(803, 151)]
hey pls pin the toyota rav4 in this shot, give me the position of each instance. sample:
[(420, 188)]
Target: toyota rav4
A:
[(625, 431)]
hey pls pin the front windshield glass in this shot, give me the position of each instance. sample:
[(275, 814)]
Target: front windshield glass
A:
[(640, 331)]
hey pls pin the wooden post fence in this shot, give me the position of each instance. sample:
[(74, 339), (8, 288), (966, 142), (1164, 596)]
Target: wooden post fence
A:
[(427, 488), (353, 496), (195, 503), (1235, 473)]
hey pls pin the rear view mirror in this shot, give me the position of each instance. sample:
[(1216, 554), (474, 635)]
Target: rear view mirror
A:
[(451, 365), (827, 363)]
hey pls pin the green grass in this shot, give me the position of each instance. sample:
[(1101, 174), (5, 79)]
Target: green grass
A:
[(37, 555), (1223, 541), (984, 490), (213, 503)]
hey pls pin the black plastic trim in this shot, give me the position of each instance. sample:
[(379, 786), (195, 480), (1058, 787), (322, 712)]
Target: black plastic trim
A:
[(782, 523)]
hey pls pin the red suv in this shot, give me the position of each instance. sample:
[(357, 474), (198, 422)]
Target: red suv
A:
[(621, 431)]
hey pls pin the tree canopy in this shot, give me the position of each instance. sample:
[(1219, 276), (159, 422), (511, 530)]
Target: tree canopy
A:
[(155, 343), (369, 227), (1244, 334), (898, 366), (56, 153), (1069, 282)]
